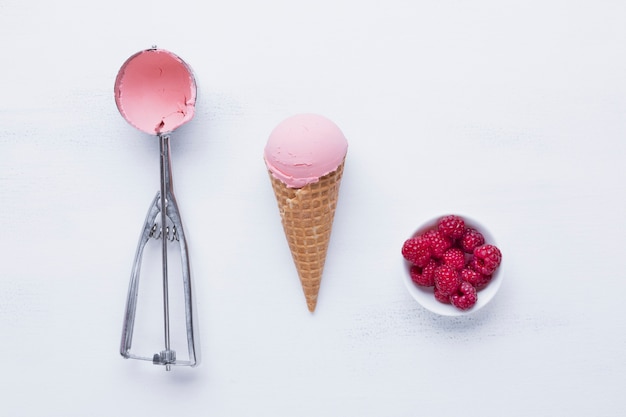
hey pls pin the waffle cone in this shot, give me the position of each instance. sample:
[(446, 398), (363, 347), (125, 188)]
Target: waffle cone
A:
[(307, 216)]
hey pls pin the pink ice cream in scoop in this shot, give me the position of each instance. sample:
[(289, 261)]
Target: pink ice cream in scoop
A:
[(303, 148), (155, 91)]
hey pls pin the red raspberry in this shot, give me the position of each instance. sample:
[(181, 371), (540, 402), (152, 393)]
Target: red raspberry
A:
[(471, 239), (486, 259), (438, 242), (483, 282), (442, 298), (447, 279), (417, 251), (478, 280), (471, 276), (465, 298), (451, 226), (454, 257), (424, 276), (429, 270)]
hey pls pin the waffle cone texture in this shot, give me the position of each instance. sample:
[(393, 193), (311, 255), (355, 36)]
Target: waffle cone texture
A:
[(307, 215)]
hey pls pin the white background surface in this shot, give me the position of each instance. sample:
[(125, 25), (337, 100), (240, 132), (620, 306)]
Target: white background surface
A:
[(511, 112)]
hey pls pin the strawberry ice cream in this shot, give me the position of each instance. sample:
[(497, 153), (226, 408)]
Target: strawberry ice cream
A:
[(305, 157), (155, 91), (304, 148)]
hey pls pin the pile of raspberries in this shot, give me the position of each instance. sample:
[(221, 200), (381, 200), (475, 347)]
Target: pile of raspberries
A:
[(454, 259)]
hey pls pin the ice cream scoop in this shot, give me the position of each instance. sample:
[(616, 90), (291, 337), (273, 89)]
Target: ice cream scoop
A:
[(305, 156), (155, 91), (304, 148)]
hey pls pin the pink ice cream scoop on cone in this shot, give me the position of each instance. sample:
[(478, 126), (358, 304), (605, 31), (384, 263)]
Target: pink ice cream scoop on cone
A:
[(305, 155)]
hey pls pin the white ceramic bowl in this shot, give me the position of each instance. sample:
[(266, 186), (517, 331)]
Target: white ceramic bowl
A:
[(425, 295)]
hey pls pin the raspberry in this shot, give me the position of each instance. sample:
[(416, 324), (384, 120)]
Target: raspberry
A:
[(465, 298), (424, 276), (471, 276), (483, 282), (447, 279), (451, 226), (442, 298), (454, 257), (471, 239), (486, 259), (429, 271), (417, 251), (478, 280), (438, 242)]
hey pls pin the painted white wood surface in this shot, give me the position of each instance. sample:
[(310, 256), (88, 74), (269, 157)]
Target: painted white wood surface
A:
[(511, 112)]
